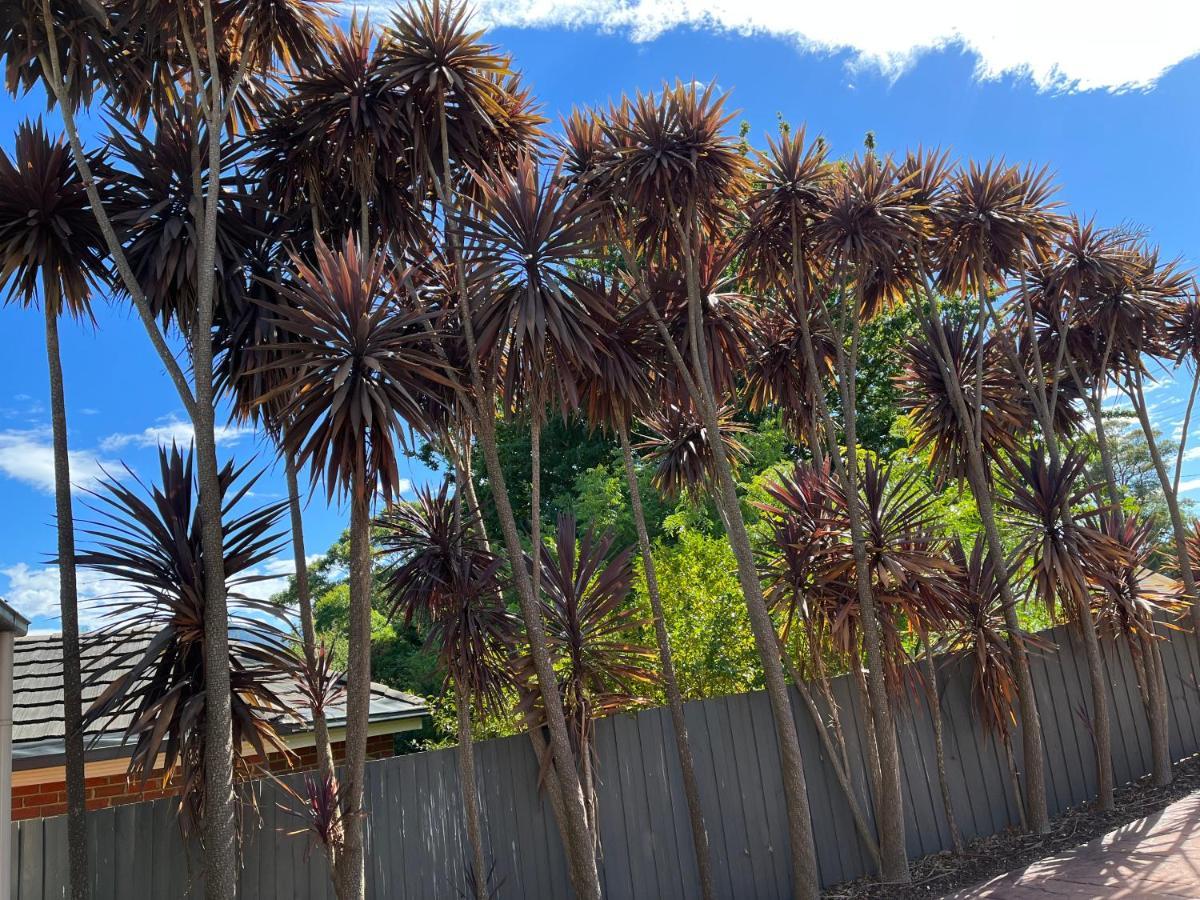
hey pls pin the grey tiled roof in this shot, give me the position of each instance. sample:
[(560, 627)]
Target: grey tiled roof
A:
[(38, 696)]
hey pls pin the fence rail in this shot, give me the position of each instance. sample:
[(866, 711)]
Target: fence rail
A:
[(417, 843)]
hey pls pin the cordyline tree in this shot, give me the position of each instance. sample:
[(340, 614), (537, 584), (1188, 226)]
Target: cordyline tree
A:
[(440, 574), (833, 243), (985, 224), (468, 116), (668, 177), (249, 343), (1102, 302), (610, 399), (591, 627), (146, 541), (355, 368), (200, 66), (51, 251)]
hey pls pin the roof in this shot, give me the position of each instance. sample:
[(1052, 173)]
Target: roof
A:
[(38, 697)]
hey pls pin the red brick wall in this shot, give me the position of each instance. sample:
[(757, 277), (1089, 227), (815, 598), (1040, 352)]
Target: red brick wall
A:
[(49, 798)]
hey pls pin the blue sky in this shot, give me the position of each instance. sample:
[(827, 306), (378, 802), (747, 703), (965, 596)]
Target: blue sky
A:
[(1125, 154)]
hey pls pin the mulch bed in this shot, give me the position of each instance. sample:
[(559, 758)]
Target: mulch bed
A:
[(944, 873)]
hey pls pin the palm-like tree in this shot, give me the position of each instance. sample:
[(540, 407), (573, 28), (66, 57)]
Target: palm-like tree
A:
[(676, 177), (441, 574), (146, 541), (610, 398), (150, 71), (249, 343), (797, 568), (334, 147), (356, 371), (1128, 605), (591, 626), (454, 87), (50, 246), (989, 222), (679, 447), (867, 231), (1063, 555)]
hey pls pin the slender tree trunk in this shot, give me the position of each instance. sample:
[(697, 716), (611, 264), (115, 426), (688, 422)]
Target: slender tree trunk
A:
[(470, 794), (889, 813), (1031, 726), (352, 863), (691, 788), (1154, 699), (858, 680), (935, 711), (1014, 780), (1183, 433), (1137, 396), (585, 877), (1101, 726), (805, 875), (837, 760), (68, 600), (308, 631)]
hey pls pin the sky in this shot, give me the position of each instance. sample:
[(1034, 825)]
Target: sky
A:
[(1106, 98)]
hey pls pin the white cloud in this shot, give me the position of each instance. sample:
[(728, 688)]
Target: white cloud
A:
[(1188, 485), (168, 430), (1064, 45), (28, 456), (33, 592)]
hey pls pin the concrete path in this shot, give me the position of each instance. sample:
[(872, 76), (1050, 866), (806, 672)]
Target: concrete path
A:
[(1154, 857)]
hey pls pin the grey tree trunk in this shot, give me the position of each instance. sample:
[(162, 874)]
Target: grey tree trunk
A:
[(805, 875), (220, 804), (351, 872), (470, 793), (585, 878), (308, 631), (68, 601), (1031, 727), (935, 711), (687, 764), (890, 810), (1137, 396), (837, 759)]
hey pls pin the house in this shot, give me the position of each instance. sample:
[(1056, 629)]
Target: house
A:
[(38, 776), (13, 626)]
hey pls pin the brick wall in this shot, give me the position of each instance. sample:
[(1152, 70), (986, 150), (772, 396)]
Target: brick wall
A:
[(49, 798)]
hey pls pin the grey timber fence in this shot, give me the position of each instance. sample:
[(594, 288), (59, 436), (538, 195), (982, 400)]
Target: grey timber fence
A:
[(417, 843)]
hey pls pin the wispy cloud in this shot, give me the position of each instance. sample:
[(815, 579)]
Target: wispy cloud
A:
[(167, 431), (33, 592), (1188, 485), (1057, 46), (28, 456)]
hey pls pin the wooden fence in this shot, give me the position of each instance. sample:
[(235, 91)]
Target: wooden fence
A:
[(417, 845)]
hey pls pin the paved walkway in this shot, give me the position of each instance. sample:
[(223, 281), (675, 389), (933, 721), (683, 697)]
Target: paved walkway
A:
[(1154, 857)]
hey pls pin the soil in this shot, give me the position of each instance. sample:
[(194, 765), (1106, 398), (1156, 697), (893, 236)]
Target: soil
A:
[(944, 873)]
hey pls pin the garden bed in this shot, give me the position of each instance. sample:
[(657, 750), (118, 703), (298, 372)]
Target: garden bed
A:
[(942, 873)]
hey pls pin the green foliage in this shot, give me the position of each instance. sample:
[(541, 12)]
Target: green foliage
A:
[(706, 614)]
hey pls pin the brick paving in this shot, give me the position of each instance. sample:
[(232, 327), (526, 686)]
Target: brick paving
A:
[(1154, 857)]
